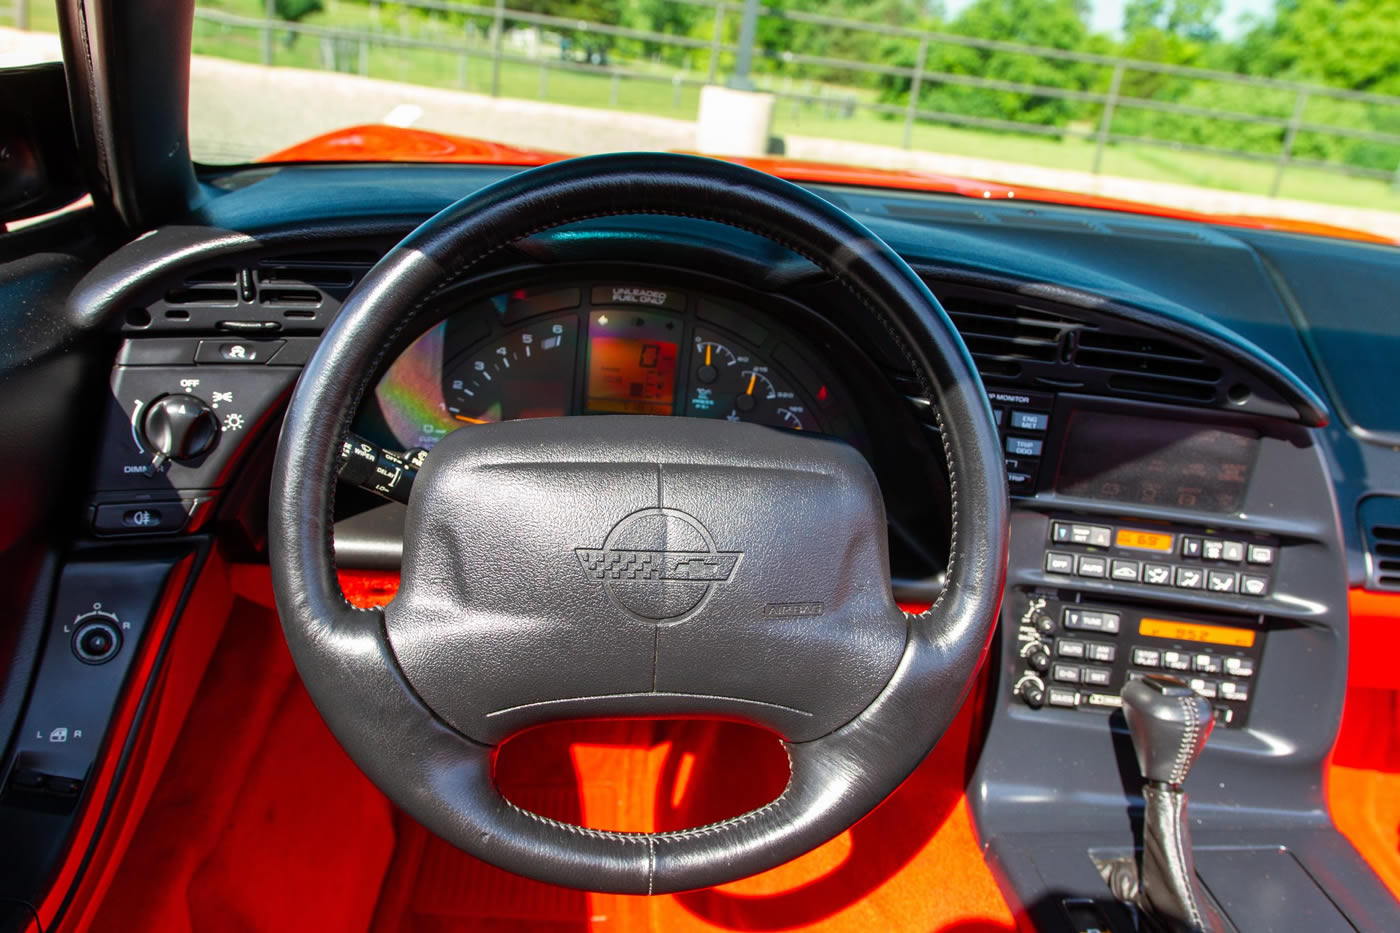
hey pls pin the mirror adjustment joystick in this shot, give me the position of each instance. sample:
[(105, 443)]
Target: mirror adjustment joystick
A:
[(178, 427), (1169, 725)]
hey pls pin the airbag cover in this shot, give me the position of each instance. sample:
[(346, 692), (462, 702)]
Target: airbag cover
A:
[(624, 565)]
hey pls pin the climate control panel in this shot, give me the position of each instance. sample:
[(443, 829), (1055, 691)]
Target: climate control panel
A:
[(1218, 563), (1072, 652)]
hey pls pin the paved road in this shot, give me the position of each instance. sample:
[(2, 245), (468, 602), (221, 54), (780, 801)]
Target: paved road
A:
[(240, 112)]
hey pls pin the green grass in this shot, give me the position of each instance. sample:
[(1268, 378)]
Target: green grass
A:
[(1077, 154), (471, 70)]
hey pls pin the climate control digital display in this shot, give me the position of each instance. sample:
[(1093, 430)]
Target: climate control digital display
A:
[(1144, 540)]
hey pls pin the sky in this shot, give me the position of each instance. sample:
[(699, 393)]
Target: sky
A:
[(1107, 15)]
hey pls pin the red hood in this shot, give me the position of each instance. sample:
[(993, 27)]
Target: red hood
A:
[(378, 143)]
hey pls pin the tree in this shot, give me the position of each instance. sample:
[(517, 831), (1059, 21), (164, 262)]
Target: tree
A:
[(1059, 24), (594, 44), (294, 11), (778, 36), (676, 19), (1190, 19), (1344, 43)]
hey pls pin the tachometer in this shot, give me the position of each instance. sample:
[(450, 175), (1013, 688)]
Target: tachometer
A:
[(526, 373)]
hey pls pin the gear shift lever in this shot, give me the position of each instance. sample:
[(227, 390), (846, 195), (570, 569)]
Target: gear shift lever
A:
[(1169, 725)]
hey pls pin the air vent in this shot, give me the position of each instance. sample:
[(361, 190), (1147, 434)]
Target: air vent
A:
[(303, 278), (294, 293), (1003, 338), (1157, 232), (218, 286), (1380, 521), (201, 295), (224, 275), (289, 296), (1061, 224), (291, 292), (1149, 367), (1386, 551), (1039, 345)]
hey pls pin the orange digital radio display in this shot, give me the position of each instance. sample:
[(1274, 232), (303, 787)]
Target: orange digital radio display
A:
[(1177, 630), (1144, 540)]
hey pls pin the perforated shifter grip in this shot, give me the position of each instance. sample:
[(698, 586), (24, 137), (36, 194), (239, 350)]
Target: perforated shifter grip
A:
[(1169, 725)]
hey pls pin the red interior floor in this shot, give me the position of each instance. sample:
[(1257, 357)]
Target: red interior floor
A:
[(1363, 783), (262, 823)]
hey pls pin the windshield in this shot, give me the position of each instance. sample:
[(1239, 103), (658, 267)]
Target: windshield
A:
[(1278, 108)]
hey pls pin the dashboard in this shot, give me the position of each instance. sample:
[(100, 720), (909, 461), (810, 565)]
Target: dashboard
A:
[(1184, 498), (602, 347)]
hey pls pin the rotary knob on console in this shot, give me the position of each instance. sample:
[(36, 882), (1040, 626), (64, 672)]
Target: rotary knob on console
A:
[(1038, 657), (178, 427), (1031, 690)]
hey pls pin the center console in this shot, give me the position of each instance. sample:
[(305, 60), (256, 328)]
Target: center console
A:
[(1076, 650), (1204, 545)]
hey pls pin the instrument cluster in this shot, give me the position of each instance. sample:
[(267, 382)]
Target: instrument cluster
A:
[(603, 348)]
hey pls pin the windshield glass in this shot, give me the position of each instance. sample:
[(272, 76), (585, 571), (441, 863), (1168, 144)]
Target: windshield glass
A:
[(1251, 107)]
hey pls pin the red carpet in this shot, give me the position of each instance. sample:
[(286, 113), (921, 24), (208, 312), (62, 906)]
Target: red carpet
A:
[(1363, 783), (260, 821), (263, 823)]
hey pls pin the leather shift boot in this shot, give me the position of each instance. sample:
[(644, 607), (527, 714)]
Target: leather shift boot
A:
[(1169, 891)]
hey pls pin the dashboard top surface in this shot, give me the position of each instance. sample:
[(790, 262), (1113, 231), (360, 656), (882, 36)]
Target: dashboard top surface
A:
[(1207, 277)]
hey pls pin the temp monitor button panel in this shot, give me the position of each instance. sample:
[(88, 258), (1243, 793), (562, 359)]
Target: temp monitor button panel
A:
[(1023, 418), (1077, 654)]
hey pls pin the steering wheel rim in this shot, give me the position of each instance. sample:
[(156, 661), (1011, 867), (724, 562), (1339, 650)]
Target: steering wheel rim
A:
[(441, 776)]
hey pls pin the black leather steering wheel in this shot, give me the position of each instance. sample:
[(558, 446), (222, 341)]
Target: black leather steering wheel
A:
[(637, 566)]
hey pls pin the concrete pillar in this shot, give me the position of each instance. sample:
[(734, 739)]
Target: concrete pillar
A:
[(733, 122)]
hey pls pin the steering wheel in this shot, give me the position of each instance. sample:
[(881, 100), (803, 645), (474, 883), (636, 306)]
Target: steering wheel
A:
[(633, 566)]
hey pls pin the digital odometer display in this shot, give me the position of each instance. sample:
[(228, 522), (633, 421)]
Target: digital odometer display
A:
[(1123, 458), (632, 362)]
